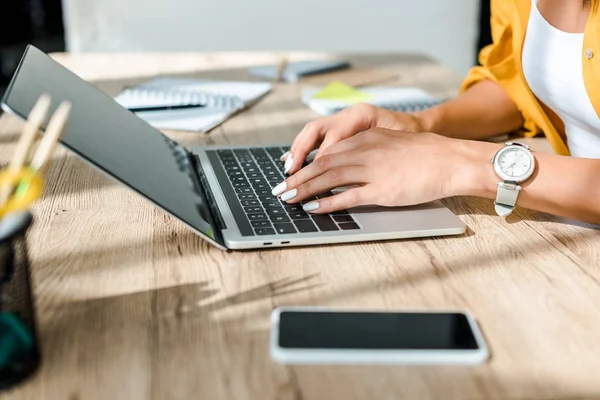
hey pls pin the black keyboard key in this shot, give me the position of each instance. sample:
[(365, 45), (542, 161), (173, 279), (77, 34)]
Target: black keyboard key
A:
[(264, 231), (234, 179), (240, 184), (285, 228), (257, 217), (279, 218), (275, 211), (244, 190), (263, 186), (253, 175), (241, 152), (232, 174), (293, 208), (349, 225), (267, 197), (324, 222), (250, 210), (252, 170), (272, 203), (224, 152), (305, 225), (247, 165), (230, 163), (264, 192), (340, 212), (250, 203), (233, 169), (275, 151), (246, 197), (273, 173), (269, 167), (257, 181), (298, 215), (261, 224), (343, 218), (274, 183)]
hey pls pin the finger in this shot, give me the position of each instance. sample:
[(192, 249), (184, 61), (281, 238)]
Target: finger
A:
[(329, 140), (306, 141), (350, 198), (333, 129), (336, 177), (344, 145), (317, 168)]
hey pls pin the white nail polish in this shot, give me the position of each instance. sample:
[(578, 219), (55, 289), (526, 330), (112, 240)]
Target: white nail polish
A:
[(310, 206), (289, 195), (277, 190), (288, 164), (284, 156)]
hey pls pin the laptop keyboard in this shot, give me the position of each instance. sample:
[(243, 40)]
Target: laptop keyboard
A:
[(249, 175)]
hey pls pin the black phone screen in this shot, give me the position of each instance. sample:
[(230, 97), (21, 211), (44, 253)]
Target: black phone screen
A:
[(375, 330)]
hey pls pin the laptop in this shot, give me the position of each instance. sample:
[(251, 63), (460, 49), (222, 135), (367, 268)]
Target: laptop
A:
[(223, 194)]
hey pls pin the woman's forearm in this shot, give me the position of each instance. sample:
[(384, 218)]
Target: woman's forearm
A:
[(482, 111), (564, 186)]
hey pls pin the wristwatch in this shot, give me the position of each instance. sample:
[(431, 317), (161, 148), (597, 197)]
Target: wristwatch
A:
[(514, 164)]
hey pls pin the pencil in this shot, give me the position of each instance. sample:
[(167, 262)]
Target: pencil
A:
[(55, 129), (35, 119), (283, 62), (30, 132)]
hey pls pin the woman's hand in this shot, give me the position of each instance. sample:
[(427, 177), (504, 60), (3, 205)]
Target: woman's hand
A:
[(390, 168), (327, 131)]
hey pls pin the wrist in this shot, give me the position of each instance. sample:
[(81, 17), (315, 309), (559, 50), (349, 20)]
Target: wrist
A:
[(429, 120), (473, 172)]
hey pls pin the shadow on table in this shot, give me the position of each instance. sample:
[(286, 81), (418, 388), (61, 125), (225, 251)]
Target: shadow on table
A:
[(188, 309)]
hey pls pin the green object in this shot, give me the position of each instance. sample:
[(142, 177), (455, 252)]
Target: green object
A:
[(15, 340), (338, 91)]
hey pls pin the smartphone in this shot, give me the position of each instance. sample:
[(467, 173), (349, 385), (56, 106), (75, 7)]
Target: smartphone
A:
[(316, 335)]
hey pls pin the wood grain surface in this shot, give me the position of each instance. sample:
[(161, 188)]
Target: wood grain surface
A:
[(132, 305)]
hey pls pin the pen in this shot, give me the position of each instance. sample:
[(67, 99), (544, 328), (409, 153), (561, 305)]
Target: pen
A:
[(283, 62), (163, 108)]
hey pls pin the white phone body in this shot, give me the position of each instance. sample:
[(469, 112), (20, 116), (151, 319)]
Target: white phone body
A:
[(376, 356)]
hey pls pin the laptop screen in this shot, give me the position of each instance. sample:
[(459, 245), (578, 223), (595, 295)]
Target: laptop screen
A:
[(112, 138)]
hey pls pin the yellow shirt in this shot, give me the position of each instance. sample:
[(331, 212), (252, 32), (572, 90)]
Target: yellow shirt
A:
[(501, 63)]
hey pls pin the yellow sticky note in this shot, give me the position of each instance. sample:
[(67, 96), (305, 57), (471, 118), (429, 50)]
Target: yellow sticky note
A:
[(338, 91)]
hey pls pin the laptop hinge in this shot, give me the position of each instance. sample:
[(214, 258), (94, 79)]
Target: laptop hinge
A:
[(202, 184), (189, 164)]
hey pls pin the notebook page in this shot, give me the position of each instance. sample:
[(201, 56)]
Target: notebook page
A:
[(245, 91)]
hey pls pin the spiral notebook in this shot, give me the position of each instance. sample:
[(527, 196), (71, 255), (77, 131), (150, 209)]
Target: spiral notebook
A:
[(190, 104), (405, 99)]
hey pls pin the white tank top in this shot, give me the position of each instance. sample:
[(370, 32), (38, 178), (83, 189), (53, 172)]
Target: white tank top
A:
[(552, 64)]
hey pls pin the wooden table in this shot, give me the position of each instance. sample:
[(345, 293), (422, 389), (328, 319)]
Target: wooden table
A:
[(131, 305)]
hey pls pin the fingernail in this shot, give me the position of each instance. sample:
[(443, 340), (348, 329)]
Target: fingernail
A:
[(277, 190), (288, 164), (310, 206), (284, 156), (289, 194)]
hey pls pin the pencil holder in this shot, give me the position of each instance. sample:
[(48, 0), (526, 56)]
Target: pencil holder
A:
[(19, 350)]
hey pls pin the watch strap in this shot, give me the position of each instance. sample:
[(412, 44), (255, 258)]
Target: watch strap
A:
[(506, 198)]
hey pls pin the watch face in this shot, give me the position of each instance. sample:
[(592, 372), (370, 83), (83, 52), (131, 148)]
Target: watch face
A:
[(514, 163)]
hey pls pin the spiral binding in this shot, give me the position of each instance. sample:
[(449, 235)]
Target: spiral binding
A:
[(180, 97), (406, 107)]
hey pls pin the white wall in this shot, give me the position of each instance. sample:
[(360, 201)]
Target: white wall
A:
[(443, 29)]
